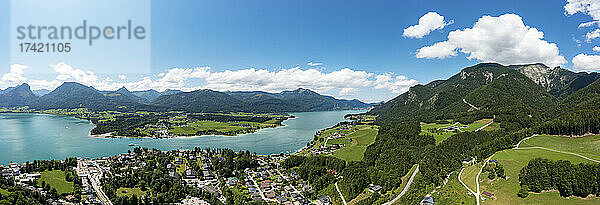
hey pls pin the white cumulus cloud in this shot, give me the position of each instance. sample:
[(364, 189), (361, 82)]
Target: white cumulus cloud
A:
[(122, 77), (504, 39), (314, 64), (596, 48), (587, 7), (588, 63), (427, 23), (15, 74), (344, 82)]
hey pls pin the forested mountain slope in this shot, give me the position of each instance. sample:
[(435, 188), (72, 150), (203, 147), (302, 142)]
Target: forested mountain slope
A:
[(17, 96)]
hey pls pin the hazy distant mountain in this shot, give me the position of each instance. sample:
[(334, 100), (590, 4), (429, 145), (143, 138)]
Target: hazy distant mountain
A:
[(151, 94), (40, 92), (124, 96), (17, 96), (255, 101), (2, 92), (170, 92), (200, 101), (75, 95)]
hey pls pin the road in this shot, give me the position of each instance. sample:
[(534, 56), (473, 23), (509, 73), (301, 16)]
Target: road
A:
[(481, 128), (518, 148), (553, 150), (477, 178), (262, 195), (461, 182), (473, 106), (410, 180), (341, 195), (287, 179), (95, 182)]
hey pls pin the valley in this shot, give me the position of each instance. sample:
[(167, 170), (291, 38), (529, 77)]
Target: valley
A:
[(462, 140)]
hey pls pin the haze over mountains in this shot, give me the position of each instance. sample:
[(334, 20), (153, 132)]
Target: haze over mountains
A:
[(75, 95)]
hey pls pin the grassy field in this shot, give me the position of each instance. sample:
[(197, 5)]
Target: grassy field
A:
[(588, 146), (440, 135), (4, 192), (513, 160), (130, 192), (476, 125), (469, 175), (361, 139), (192, 128), (56, 179), (180, 168), (453, 193)]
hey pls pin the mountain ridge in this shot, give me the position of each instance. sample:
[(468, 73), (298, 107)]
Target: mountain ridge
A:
[(76, 95)]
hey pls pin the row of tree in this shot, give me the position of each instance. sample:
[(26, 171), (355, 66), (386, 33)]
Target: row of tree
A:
[(578, 122), (569, 179)]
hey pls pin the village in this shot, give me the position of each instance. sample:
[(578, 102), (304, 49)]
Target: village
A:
[(267, 182)]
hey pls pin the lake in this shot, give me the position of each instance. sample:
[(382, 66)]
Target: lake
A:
[(27, 137)]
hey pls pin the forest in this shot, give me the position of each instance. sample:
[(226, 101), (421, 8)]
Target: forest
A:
[(569, 179)]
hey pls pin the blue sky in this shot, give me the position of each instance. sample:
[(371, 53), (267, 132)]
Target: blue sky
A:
[(266, 43)]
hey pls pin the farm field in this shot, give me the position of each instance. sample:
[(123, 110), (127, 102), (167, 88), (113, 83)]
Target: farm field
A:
[(356, 143), (588, 146), (453, 193), (513, 160), (469, 175), (195, 127), (436, 130), (56, 179)]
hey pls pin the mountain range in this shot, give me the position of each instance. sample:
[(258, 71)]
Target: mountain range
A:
[(75, 95), (533, 90)]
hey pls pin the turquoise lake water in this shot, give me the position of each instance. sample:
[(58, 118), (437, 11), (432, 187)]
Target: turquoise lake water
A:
[(27, 137)]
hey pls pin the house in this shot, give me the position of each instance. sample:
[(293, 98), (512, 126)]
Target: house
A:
[(190, 173), (281, 199), (265, 185), (488, 194), (194, 201), (208, 175), (174, 174), (468, 160), (270, 195), (209, 189), (374, 188), (256, 198), (427, 201), (325, 200)]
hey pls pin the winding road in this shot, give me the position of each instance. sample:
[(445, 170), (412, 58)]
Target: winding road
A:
[(473, 106), (516, 148), (412, 177), (341, 195)]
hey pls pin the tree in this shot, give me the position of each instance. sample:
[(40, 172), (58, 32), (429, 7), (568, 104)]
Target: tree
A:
[(523, 192), (53, 193), (500, 171)]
